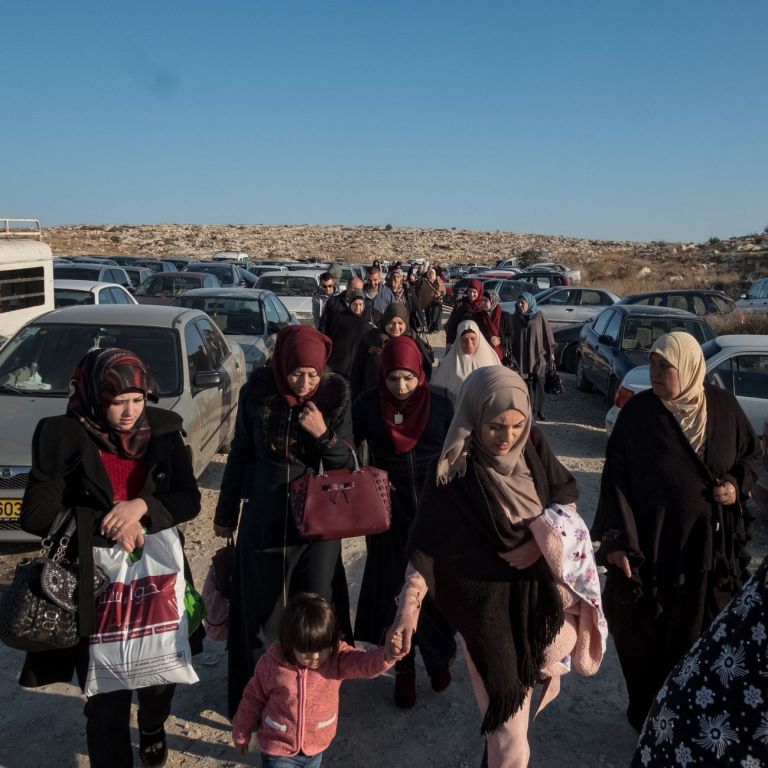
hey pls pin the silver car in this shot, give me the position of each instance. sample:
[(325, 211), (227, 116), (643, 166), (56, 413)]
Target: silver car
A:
[(198, 375), (249, 317), (738, 363), (756, 298), (295, 290), (574, 305)]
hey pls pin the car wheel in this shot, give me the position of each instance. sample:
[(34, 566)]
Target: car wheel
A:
[(582, 382), (613, 388), (568, 359)]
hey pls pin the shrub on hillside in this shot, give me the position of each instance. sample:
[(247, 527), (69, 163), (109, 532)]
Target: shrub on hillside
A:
[(740, 322)]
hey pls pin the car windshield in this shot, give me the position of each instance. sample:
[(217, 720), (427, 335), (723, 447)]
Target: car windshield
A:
[(641, 332), (66, 297), (154, 264), (288, 285), (169, 284), (233, 316), (76, 273), (224, 272), (41, 358)]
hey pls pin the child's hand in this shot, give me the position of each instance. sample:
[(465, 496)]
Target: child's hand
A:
[(241, 748), (394, 648)]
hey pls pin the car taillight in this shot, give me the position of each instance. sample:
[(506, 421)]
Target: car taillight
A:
[(623, 396)]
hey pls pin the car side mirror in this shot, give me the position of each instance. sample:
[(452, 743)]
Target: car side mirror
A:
[(603, 339), (273, 327), (743, 296), (207, 379)]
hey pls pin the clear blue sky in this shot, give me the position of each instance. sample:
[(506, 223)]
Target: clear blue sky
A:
[(607, 119)]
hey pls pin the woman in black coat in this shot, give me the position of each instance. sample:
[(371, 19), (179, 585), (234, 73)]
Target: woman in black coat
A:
[(291, 416), (365, 370), (123, 468), (679, 467), (404, 425)]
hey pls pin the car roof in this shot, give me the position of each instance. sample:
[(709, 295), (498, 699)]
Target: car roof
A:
[(295, 273), (84, 285), (751, 340), (181, 273), (643, 309), (152, 315), (235, 293), (683, 291)]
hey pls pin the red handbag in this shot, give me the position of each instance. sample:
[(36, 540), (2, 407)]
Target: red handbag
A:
[(341, 503)]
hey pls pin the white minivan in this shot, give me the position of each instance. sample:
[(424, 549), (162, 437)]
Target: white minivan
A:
[(26, 274)]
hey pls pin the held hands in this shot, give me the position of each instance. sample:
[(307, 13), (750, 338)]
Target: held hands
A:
[(399, 637), (122, 524), (312, 421), (495, 341), (620, 560), (523, 556), (724, 493), (394, 647)]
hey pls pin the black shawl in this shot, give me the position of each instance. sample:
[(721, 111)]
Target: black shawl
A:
[(507, 616)]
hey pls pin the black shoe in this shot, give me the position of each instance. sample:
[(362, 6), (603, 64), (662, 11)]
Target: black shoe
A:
[(540, 417), (152, 748)]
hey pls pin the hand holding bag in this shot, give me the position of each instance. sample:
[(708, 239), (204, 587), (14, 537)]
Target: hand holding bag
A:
[(216, 591), (38, 611), (552, 383), (341, 503)]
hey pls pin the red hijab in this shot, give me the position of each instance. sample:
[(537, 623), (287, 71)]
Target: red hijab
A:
[(100, 377), (403, 353), (298, 346), (477, 304)]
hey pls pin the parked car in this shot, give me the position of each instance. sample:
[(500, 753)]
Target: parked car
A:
[(736, 363), (249, 317), (137, 275), (230, 256), (552, 266), (566, 346), (107, 260), (98, 273), (157, 265), (508, 289), (67, 293), (620, 337), (198, 375), (701, 302), (228, 273), (295, 290), (572, 305), (179, 261), (501, 273), (126, 261), (257, 270), (545, 280), (756, 298), (163, 287)]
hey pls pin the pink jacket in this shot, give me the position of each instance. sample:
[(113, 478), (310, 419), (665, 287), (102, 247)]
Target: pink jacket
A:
[(296, 708)]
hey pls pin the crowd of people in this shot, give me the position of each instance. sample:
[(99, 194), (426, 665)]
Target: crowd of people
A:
[(486, 549)]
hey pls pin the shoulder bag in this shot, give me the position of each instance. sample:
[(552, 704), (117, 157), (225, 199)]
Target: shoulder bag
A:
[(552, 383), (341, 503), (38, 611)]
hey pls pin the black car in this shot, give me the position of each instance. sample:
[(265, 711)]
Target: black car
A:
[(701, 302), (620, 337), (566, 346)]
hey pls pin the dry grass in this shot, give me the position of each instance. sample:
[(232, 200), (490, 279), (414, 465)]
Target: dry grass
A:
[(738, 323)]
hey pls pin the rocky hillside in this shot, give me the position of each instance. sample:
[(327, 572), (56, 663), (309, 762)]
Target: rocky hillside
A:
[(745, 256)]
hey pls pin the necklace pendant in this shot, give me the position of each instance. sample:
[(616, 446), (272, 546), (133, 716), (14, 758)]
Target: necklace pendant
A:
[(398, 418)]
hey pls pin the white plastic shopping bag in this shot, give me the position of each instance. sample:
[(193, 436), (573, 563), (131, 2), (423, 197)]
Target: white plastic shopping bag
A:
[(140, 630)]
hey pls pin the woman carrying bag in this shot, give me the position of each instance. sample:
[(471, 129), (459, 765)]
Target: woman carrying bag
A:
[(123, 468), (291, 416), (404, 425)]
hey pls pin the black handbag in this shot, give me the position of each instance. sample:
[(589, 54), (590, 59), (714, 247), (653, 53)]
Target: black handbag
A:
[(38, 611), (552, 383)]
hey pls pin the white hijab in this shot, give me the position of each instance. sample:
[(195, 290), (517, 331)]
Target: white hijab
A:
[(457, 365)]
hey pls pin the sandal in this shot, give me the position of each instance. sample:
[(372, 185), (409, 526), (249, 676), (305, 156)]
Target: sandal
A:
[(153, 748)]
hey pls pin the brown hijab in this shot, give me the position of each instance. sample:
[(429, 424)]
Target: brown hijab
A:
[(100, 377), (486, 393), (298, 346)]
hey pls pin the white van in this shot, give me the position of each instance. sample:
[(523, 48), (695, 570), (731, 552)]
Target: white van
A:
[(230, 256), (26, 274)]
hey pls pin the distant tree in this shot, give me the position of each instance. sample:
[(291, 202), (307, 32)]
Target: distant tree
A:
[(714, 241)]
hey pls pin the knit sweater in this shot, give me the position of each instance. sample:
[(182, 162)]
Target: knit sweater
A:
[(295, 708)]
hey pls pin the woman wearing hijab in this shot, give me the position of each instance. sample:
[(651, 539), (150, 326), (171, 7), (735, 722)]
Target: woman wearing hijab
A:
[(472, 352), (291, 416), (365, 369), (490, 322), (122, 466), (404, 425), (679, 467), (431, 292), (348, 328), (469, 307), (533, 346), (498, 544)]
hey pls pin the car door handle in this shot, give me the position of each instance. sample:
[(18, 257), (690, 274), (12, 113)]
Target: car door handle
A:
[(569, 309)]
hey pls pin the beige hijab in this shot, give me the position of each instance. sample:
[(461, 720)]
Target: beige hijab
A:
[(487, 393), (457, 365), (681, 350)]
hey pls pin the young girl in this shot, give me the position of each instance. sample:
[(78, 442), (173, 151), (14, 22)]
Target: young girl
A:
[(293, 696)]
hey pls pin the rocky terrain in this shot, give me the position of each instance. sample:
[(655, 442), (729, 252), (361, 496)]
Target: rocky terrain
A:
[(736, 261)]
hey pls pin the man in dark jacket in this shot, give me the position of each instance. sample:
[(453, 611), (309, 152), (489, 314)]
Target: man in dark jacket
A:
[(325, 290)]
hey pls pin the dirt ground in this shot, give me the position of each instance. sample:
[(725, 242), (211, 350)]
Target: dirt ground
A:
[(585, 725)]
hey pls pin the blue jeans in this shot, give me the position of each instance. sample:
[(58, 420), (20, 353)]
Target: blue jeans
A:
[(297, 761)]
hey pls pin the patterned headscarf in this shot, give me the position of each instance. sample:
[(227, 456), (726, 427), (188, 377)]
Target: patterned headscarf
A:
[(100, 377), (689, 408)]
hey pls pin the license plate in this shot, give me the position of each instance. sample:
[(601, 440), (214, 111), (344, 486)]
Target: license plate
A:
[(10, 509)]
